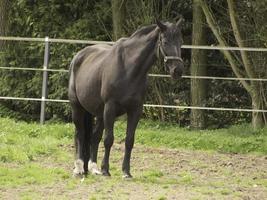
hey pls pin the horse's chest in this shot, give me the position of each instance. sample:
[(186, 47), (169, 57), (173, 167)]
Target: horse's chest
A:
[(132, 94), (130, 97), (124, 90)]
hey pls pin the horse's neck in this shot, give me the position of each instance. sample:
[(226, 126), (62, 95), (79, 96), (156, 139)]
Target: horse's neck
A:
[(140, 53)]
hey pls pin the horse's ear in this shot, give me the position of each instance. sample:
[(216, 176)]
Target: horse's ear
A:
[(161, 26), (180, 22)]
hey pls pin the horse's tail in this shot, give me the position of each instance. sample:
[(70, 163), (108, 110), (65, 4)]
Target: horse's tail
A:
[(88, 118), (72, 88), (74, 66)]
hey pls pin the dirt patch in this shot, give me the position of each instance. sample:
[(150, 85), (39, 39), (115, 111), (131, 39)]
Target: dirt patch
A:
[(158, 174)]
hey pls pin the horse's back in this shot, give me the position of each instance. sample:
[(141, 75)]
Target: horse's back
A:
[(87, 55), (90, 51)]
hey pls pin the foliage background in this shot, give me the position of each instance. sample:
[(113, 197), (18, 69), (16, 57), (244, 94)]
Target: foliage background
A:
[(92, 19)]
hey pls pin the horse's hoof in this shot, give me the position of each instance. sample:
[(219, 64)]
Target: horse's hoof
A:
[(93, 169), (127, 176), (77, 175), (105, 173), (78, 170), (96, 172)]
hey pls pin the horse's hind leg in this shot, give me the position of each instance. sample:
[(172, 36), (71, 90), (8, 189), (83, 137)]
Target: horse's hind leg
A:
[(82, 148), (88, 121), (95, 140)]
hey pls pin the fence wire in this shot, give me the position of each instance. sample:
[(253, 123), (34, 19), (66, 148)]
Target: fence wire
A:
[(90, 42), (151, 75), (145, 105)]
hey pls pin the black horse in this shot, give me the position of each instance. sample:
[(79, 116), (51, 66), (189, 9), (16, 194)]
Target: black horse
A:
[(108, 81)]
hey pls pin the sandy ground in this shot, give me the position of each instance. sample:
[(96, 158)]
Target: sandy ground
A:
[(159, 174)]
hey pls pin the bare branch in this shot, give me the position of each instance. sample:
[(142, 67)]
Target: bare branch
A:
[(246, 62), (212, 24)]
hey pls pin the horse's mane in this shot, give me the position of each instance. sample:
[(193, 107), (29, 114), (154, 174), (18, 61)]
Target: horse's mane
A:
[(144, 30)]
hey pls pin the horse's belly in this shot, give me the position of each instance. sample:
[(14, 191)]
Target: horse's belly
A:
[(92, 105)]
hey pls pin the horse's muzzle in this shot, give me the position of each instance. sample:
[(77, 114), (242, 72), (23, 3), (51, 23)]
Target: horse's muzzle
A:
[(177, 72)]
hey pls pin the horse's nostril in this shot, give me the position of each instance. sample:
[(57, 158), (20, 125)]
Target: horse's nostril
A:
[(178, 72)]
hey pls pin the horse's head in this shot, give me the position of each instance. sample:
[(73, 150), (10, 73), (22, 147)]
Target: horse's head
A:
[(170, 42)]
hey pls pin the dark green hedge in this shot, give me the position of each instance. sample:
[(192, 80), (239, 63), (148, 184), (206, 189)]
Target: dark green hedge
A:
[(92, 19)]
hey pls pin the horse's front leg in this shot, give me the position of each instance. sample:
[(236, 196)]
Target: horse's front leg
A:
[(133, 116), (109, 119)]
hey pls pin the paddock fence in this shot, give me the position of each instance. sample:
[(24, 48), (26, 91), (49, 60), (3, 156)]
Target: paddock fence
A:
[(45, 70)]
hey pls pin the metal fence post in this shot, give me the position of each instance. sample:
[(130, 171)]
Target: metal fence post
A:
[(45, 77)]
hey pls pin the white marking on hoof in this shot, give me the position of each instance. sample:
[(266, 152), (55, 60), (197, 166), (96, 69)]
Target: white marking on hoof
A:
[(82, 180), (126, 176), (92, 167), (78, 168)]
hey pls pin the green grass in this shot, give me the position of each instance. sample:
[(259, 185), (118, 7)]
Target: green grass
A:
[(30, 174), (236, 139), (34, 156), (22, 142)]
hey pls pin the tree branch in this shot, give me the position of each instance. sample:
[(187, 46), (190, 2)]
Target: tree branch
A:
[(222, 42), (246, 62)]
